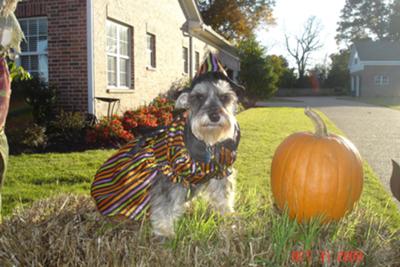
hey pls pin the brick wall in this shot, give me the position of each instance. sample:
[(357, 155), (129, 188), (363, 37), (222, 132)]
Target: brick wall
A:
[(66, 48), (368, 86)]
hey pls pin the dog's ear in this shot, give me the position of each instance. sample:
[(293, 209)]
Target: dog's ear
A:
[(183, 101), (240, 90)]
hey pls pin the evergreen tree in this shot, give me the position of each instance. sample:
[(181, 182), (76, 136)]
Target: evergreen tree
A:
[(362, 19), (259, 73), (338, 75), (394, 21)]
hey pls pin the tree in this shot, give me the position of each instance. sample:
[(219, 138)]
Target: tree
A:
[(362, 19), (304, 45), (278, 64), (288, 79), (236, 19), (338, 75), (394, 21), (318, 75), (259, 74)]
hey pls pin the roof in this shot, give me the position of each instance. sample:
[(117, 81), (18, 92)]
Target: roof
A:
[(197, 27), (191, 10), (378, 50)]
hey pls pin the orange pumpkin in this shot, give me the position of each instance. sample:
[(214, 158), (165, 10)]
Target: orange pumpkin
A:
[(316, 174)]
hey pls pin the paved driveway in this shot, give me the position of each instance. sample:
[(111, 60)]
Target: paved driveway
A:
[(374, 130)]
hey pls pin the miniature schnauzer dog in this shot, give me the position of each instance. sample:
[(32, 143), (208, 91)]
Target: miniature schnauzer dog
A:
[(211, 103)]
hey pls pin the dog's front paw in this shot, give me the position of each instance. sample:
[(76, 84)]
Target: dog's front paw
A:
[(225, 210), (164, 231)]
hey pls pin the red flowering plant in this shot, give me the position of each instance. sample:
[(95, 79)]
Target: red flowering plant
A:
[(121, 129), (163, 109), (109, 132), (157, 113)]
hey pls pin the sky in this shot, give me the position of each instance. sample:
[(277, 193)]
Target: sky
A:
[(290, 16)]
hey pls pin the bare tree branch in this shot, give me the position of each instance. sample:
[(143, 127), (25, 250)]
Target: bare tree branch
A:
[(305, 44)]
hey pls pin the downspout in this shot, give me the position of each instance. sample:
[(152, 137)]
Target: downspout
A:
[(191, 56), (90, 56)]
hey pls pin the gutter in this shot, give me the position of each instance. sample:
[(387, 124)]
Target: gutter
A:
[(205, 31), (90, 56)]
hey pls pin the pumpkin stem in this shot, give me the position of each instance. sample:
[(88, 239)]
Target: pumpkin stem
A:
[(320, 127)]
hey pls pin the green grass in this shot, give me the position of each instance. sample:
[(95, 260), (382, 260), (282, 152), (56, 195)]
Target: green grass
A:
[(32, 177), (256, 235), (390, 102), (264, 129)]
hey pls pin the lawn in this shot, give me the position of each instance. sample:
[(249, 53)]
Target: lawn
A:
[(390, 102), (66, 230)]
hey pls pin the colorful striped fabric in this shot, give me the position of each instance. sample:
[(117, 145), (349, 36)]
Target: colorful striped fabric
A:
[(121, 186)]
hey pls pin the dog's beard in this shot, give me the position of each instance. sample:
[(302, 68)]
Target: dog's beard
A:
[(210, 132)]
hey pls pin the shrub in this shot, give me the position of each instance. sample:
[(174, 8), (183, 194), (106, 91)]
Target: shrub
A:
[(39, 95), (121, 129), (67, 128), (158, 113), (259, 74), (17, 73), (34, 137), (108, 132)]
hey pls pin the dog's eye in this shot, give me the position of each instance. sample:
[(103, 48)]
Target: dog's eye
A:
[(224, 98), (200, 97)]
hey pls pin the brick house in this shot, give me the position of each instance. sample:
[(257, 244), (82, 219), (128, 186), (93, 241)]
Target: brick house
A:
[(128, 51), (375, 68)]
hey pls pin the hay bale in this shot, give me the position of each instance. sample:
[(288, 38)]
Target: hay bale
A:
[(68, 231)]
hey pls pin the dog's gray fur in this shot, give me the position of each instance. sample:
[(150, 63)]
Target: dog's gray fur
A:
[(212, 105)]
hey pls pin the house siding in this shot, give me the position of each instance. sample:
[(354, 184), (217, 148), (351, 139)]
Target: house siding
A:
[(168, 23), (67, 52), (165, 22), (368, 86)]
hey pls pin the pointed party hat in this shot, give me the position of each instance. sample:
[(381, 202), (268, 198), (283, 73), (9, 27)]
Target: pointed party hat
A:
[(212, 65)]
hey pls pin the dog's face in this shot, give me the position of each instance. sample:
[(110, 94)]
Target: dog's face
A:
[(212, 105)]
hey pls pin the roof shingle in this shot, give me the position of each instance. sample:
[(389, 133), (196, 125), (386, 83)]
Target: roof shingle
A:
[(378, 50)]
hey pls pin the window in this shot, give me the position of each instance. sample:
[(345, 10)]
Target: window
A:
[(381, 80), (385, 80), (34, 51), (118, 55), (197, 61), (378, 80), (151, 50), (185, 60)]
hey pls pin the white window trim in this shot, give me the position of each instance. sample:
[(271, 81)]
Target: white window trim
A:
[(37, 53), (379, 80), (119, 57), (149, 53)]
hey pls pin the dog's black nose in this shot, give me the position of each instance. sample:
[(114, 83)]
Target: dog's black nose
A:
[(214, 116)]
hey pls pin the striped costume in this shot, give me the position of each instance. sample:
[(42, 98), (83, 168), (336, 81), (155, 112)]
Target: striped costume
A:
[(121, 186)]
